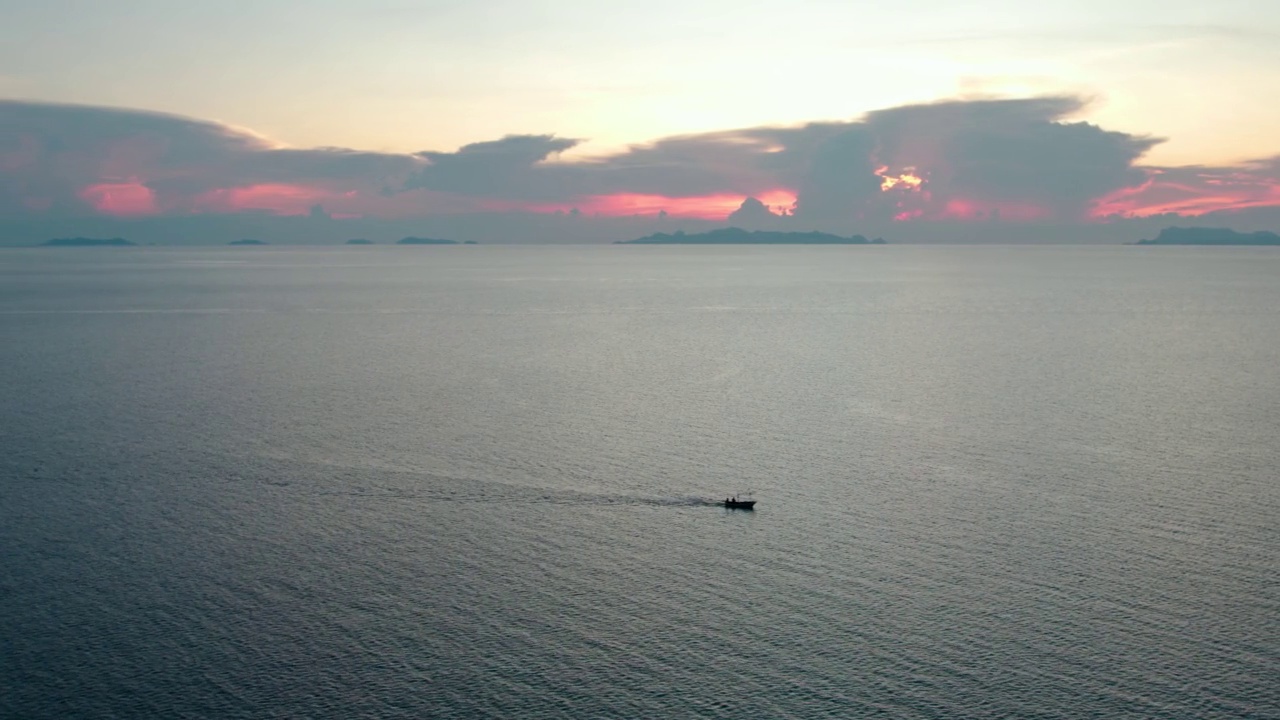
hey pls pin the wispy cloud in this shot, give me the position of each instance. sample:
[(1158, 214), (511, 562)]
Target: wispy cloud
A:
[(1197, 190), (1120, 34)]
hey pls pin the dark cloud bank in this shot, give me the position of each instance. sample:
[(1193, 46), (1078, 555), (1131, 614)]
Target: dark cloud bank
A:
[(968, 171)]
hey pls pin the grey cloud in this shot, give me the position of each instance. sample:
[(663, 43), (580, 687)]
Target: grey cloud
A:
[(53, 150), (517, 168), (753, 214), (504, 168), (990, 154), (1010, 151), (840, 184), (977, 151)]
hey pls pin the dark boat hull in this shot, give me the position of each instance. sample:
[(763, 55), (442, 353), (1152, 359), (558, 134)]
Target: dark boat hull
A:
[(740, 504)]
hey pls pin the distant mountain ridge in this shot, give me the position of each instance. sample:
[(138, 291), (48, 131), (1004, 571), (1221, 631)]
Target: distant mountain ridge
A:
[(738, 236), (1211, 236)]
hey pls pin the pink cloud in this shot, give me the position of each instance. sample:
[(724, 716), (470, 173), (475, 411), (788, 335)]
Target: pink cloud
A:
[(1193, 191), (278, 198), (702, 207), (959, 209), (120, 198)]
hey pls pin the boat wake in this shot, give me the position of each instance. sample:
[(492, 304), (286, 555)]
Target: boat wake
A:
[(522, 496), (309, 477), (689, 501)]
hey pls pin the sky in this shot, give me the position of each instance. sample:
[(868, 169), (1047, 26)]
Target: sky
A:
[(834, 115)]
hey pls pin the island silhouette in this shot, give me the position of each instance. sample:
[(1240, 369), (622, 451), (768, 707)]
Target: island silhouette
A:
[(246, 241), (738, 236), (359, 241), (1210, 236)]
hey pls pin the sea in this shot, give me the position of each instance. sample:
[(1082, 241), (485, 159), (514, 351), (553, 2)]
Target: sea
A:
[(487, 482)]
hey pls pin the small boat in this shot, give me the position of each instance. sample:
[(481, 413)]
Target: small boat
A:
[(736, 503)]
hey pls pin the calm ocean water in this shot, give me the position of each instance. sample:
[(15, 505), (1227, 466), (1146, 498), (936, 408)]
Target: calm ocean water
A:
[(462, 482)]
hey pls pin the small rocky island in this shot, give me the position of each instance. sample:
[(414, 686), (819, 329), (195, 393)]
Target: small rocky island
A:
[(738, 236), (87, 242), (1210, 236), (246, 241)]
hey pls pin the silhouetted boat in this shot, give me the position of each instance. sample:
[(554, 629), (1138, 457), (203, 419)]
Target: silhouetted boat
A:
[(734, 503)]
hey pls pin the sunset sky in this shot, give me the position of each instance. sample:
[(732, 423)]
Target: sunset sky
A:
[(841, 113)]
